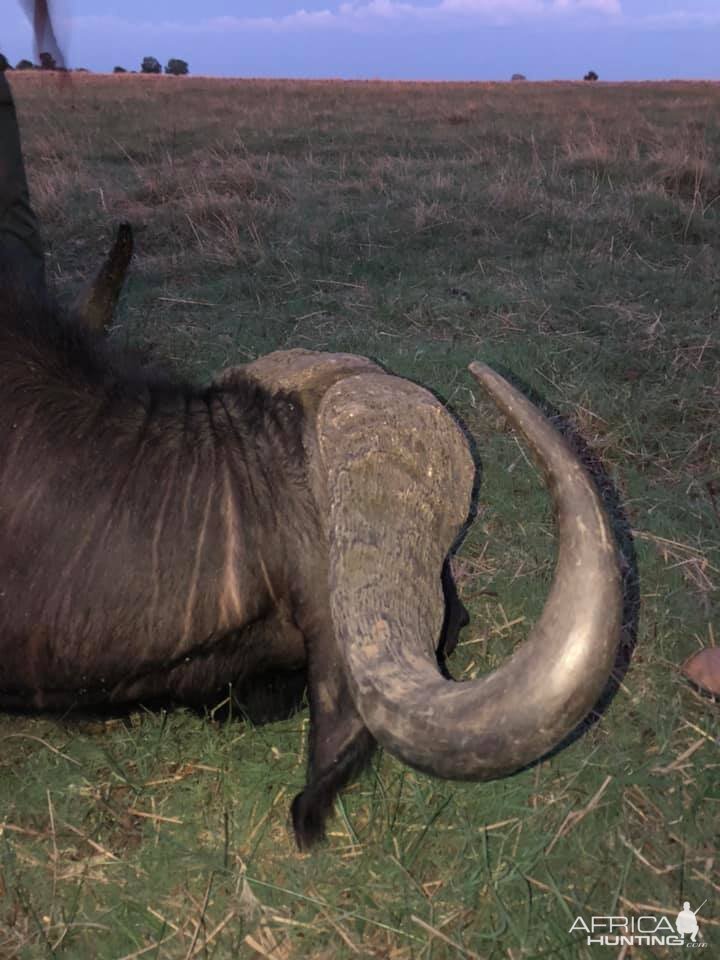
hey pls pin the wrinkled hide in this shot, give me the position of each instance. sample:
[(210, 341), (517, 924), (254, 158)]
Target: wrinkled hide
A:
[(184, 487)]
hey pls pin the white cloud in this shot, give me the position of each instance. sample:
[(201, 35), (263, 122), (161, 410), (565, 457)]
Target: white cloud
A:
[(368, 15), (364, 14), (609, 7), (485, 7)]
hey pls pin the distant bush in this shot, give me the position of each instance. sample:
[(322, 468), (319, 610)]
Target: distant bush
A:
[(150, 65), (590, 75), (25, 65), (177, 68), (518, 76), (4, 65), (47, 61), (119, 70)]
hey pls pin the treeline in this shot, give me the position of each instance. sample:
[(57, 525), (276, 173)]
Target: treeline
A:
[(174, 67)]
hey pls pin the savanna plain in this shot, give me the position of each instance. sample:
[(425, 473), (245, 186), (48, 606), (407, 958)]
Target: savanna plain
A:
[(568, 235)]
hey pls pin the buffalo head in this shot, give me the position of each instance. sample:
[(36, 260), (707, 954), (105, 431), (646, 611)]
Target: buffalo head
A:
[(162, 539)]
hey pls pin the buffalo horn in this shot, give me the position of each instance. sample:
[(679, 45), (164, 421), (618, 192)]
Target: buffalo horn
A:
[(400, 479)]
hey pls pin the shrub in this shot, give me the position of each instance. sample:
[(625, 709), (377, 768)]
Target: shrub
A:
[(590, 75), (4, 65), (25, 65), (47, 61), (178, 68), (150, 65), (518, 76), (119, 70)]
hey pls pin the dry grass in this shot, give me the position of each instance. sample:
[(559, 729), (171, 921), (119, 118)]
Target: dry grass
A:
[(567, 233)]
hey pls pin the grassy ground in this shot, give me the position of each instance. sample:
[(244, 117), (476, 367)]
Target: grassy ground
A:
[(570, 235)]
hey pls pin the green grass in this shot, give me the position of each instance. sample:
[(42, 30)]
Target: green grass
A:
[(569, 235)]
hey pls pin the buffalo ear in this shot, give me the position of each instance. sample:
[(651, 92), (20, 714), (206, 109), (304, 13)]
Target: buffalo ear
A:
[(95, 305)]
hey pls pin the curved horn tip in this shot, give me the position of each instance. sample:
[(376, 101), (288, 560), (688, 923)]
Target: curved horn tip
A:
[(479, 369)]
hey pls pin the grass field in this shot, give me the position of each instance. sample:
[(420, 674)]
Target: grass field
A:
[(569, 235)]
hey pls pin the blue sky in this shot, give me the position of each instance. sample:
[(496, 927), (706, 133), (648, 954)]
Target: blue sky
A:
[(393, 39)]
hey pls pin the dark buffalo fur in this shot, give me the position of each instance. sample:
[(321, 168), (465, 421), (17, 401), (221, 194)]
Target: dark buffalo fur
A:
[(160, 540)]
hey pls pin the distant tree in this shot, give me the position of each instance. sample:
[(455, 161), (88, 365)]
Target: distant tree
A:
[(150, 65), (591, 76), (518, 76), (25, 65), (4, 65), (119, 70), (47, 61), (82, 70), (178, 68)]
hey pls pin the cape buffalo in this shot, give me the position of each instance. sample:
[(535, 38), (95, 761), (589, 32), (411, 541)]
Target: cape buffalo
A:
[(163, 539)]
